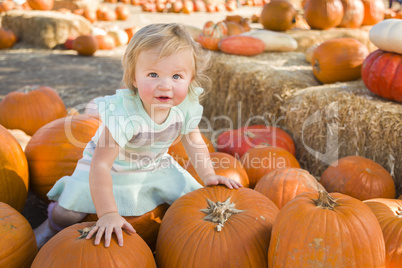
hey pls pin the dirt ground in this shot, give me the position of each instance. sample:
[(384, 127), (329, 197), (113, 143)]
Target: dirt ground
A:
[(79, 79)]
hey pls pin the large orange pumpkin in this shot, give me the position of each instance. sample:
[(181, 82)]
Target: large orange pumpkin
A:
[(358, 177), (353, 14), (317, 229), (262, 159), (18, 245), (146, 226), (7, 38), (338, 60), (178, 152), (323, 14), (41, 4), (216, 227), (31, 107), (282, 185), (13, 171), (374, 11), (85, 45), (65, 249), (278, 15), (389, 215), (55, 148), (224, 165)]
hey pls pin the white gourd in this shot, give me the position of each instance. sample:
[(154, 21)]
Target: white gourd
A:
[(387, 35), (274, 41)]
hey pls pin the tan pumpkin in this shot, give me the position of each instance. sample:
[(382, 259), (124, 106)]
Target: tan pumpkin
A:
[(147, 225), (261, 160), (389, 215), (282, 185), (30, 108), (323, 14), (21, 137), (317, 229), (18, 245), (241, 45), (279, 15), (41, 4), (338, 60), (13, 171), (85, 45), (373, 11), (66, 249), (7, 38), (224, 165), (353, 14), (359, 177), (55, 148), (216, 227)]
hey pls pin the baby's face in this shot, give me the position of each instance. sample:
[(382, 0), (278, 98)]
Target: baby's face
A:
[(163, 83)]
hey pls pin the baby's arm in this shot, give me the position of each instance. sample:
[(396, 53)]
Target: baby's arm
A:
[(101, 186), (198, 154)]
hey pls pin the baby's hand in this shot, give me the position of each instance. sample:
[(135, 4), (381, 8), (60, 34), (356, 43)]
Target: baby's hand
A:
[(216, 179), (107, 224)]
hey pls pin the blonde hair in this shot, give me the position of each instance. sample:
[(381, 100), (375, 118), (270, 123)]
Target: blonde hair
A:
[(168, 39)]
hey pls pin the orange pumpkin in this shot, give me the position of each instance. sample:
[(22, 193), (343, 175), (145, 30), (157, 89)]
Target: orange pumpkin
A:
[(216, 227), (323, 14), (178, 152), (358, 177), (85, 45), (373, 11), (41, 4), (224, 165), (31, 107), (353, 14), (66, 250), (131, 31), (7, 38), (7, 5), (13, 171), (282, 185), (326, 230), (338, 60), (241, 45), (89, 14), (18, 244), (234, 28), (55, 148), (122, 12), (262, 159), (389, 215), (211, 34), (147, 225), (279, 15), (105, 41)]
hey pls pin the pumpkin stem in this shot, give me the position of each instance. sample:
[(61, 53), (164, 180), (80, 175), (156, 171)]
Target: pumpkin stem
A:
[(399, 212), (325, 201), (27, 89), (84, 232), (220, 212), (249, 134)]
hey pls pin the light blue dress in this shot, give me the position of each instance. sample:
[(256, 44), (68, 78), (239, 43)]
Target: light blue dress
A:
[(144, 175)]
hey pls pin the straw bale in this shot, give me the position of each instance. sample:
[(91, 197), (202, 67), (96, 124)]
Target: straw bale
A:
[(332, 121), (45, 29), (75, 4), (246, 87), (307, 38)]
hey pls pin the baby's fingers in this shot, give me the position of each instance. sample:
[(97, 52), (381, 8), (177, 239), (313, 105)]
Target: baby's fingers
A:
[(108, 236), (93, 230), (129, 228), (99, 235), (119, 235)]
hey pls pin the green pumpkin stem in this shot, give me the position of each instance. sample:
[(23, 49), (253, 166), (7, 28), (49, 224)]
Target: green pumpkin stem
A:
[(325, 201)]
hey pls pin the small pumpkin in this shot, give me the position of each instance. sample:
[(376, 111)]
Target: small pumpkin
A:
[(262, 159), (279, 15), (389, 215), (13, 171), (18, 245), (241, 45), (55, 148), (30, 108), (338, 60), (382, 74), (82, 252), (85, 45), (282, 185), (236, 224), (211, 34), (105, 41), (329, 230), (373, 11), (7, 38), (41, 4), (386, 35), (122, 12), (224, 165), (353, 14), (234, 28), (359, 177), (323, 15)]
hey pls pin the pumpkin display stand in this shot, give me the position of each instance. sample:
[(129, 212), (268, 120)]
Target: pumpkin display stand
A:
[(45, 29)]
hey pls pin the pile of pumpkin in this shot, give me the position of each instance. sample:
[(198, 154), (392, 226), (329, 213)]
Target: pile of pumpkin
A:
[(187, 6), (281, 215)]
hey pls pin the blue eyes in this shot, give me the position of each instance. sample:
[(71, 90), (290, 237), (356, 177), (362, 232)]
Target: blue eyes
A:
[(176, 76), (155, 75)]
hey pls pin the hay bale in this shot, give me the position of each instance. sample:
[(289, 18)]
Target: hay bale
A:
[(45, 29), (251, 88), (307, 38), (75, 4), (332, 121)]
